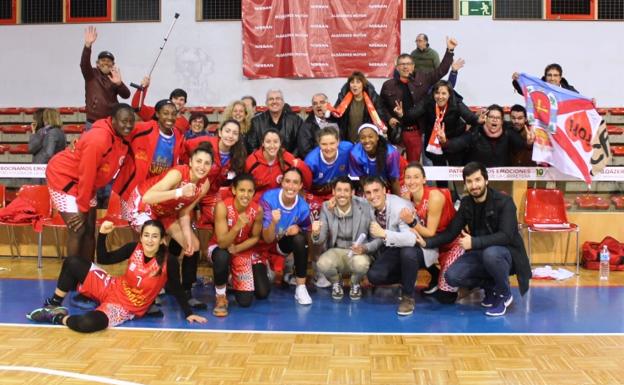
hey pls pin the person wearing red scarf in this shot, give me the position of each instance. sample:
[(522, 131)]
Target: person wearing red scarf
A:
[(358, 103)]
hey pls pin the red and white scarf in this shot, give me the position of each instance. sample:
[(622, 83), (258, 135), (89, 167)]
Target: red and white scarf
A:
[(370, 107), (433, 146)]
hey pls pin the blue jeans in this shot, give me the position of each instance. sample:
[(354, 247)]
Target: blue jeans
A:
[(488, 268)]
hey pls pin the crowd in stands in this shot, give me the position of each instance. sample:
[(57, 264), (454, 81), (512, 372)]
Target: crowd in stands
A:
[(344, 188)]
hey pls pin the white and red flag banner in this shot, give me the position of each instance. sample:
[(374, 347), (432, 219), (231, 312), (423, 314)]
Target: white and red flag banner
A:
[(570, 134), (320, 38)]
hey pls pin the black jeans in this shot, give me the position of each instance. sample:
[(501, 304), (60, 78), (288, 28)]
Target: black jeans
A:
[(397, 265)]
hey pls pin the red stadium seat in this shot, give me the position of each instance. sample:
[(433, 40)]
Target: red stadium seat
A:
[(4, 148), (73, 128), (16, 129), (19, 149), (220, 109), (615, 130), (618, 202), (201, 109), (28, 110), (617, 150), (67, 110), (617, 111), (602, 111), (82, 109), (546, 213), (295, 109), (10, 111)]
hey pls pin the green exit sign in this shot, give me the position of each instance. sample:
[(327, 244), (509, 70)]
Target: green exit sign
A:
[(476, 8)]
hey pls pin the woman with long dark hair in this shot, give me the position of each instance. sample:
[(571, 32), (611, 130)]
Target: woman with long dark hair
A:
[(229, 160), (121, 298), (268, 163)]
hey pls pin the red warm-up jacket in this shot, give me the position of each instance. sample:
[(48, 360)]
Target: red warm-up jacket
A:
[(143, 142), (268, 176), (92, 164)]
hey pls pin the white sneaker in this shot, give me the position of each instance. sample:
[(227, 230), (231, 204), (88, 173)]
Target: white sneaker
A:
[(322, 281), (301, 295)]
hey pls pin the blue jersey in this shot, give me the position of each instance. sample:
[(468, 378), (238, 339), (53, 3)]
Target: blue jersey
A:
[(163, 155), (360, 164), (297, 214), (323, 173)]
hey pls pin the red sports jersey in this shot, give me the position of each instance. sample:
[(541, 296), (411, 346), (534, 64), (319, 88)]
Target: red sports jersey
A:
[(241, 263), (269, 176), (172, 206), (448, 210), (134, 291)]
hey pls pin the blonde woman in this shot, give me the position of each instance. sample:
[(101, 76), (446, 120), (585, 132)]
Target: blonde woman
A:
[(47, 140), (238, 110)]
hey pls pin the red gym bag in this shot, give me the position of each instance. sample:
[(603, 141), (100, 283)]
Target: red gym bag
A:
[(591, 254)]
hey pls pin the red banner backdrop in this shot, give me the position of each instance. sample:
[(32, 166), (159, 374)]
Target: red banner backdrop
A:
[(320, 38)]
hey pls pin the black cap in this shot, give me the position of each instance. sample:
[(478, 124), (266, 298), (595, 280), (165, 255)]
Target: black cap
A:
[(106, 54)]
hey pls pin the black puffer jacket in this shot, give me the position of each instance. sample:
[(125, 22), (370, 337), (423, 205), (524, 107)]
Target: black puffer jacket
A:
[(288, 127)]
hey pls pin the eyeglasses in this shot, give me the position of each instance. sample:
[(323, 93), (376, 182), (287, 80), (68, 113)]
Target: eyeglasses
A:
[(494, 117)]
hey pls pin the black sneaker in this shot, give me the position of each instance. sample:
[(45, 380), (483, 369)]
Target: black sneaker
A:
[(46, 314)]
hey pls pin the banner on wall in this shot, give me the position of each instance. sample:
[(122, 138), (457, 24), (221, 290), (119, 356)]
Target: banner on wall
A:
[(320, 38), (570, 134)]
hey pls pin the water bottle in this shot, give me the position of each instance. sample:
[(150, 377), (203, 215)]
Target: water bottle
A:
[(604, 263)]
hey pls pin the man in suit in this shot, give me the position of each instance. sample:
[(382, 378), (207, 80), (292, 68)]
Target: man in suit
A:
[(398, 258), (344, 219)]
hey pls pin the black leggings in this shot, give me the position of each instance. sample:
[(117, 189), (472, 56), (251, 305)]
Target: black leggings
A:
[(221, 267), (296, 244), (91, 321), (73, 272)]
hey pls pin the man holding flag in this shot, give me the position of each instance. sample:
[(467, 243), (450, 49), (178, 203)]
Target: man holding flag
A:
[(570, 134)]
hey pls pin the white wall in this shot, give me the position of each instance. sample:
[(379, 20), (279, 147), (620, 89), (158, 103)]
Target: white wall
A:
[(40, 64)]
